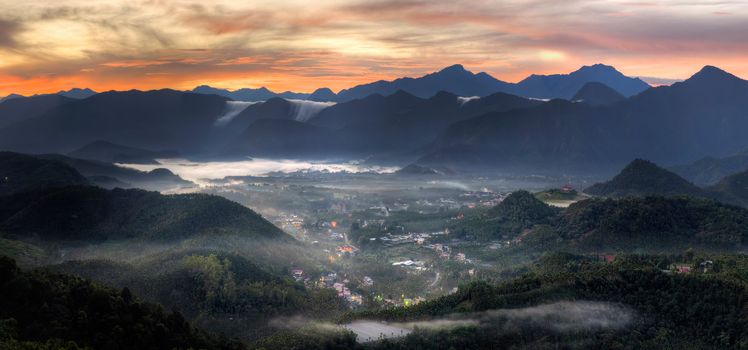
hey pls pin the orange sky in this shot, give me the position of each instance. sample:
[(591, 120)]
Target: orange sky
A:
[(46, 46)]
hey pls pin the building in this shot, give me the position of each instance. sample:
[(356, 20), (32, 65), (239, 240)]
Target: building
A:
[(706, 266), (681, 268)]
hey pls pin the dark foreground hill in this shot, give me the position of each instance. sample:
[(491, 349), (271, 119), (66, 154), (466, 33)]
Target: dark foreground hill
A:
[(20, 172), (91, 214), (105, 151), (220, 291), (44, 310), (108, 175)]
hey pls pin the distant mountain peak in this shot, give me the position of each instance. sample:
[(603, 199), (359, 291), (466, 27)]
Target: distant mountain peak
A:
[(322, 95), (712, 73), (599, 68), (454, 68), (10, 97), (77, 93)]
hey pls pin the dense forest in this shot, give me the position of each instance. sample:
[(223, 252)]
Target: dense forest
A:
[(699, 310), (84, 213), (220, 291), (45, 310), (652, 223)]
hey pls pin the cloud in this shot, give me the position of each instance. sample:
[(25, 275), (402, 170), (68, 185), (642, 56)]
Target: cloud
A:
[(290, 45), (558, 317), (8, 30), (655, 81)]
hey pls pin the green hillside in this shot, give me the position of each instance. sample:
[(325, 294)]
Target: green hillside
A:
[(45, 310), (93, 214)]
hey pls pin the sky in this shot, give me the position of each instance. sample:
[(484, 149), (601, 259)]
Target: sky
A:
[(301, 45)]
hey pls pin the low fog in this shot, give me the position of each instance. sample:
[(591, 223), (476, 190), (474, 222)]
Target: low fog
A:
[(199, 172)]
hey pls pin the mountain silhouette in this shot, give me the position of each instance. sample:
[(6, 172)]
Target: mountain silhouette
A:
[(566, 85), (597, 94)]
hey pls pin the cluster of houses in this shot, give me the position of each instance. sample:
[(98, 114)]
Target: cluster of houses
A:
[(445, 252), (330, 281), (411, 237), (484, 198)]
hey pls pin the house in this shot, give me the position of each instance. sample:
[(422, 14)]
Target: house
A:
[(368, 281), (706, 266), (460, 257), (681, 268), (345, 249)]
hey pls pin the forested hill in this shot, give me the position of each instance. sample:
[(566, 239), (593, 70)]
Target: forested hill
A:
[(83, 213), (653, 223), (645, 223), (644, 178), (641, 177), (638, 305), (44, 310), (20, 172), (518, 211)]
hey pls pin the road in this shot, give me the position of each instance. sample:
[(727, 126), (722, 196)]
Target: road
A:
[(436, 280)]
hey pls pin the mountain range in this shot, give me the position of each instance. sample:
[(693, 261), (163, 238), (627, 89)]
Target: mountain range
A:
[(702, 116), (457, 80), (595, 127)]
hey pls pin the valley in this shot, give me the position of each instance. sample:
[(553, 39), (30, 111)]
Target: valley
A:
[(391, 215)]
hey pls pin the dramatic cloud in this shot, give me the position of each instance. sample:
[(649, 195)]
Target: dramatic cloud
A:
[(290, 45), (8, 29)]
